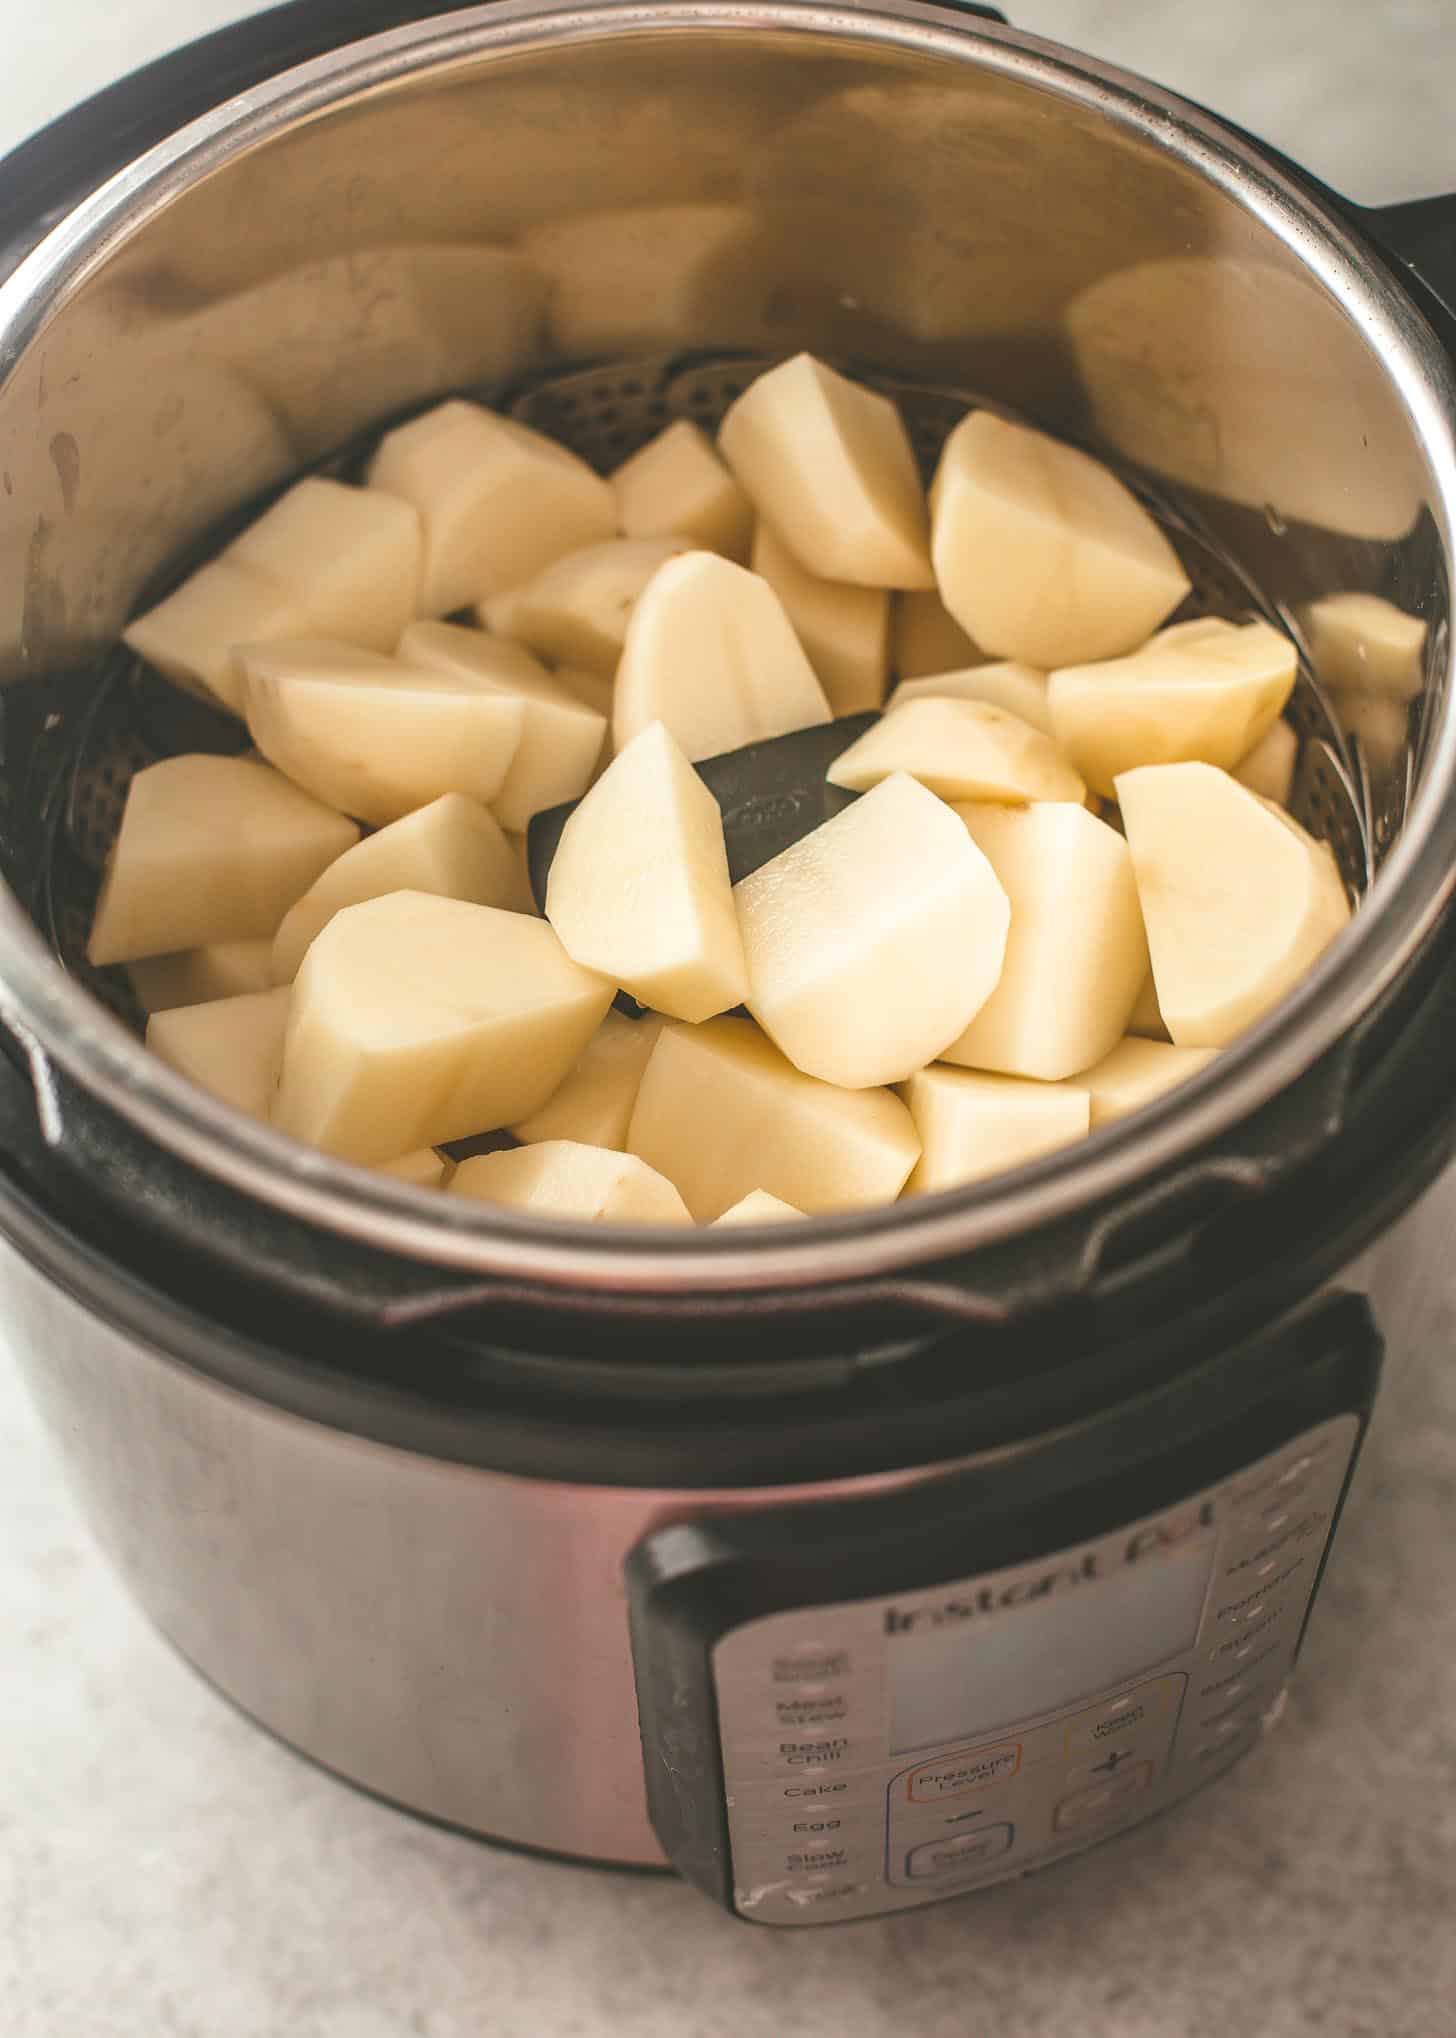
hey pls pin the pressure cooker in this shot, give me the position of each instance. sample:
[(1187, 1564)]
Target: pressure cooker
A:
[(851, 1565)]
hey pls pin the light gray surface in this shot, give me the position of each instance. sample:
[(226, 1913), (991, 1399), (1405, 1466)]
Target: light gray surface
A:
[(167, 1872)]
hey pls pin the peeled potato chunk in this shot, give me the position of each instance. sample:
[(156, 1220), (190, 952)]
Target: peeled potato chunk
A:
[(1238, 900), (925, 637), (844, 629), (497, 500), (1268, 769), (219, 969), (1020, 689), (828, 463), (594, 1105), (576, 610), (1135, 1072), (873, 942), (563, 1178), (375, 736), (1365, 644), (677, 485), (210, 849), (1042, 554), (758, 1207), (961, 750), (561, 737), (452, 847), (230, 1046), (350, 557), (189, 637), (417, 1020), (711, 654), (424, 1168), (1381, 723), (721, 1112), (972, 1125), (1077, 954), (639, 886), (1203, 699)]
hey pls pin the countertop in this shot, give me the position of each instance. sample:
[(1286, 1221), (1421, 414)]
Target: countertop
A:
[(166, 1871)]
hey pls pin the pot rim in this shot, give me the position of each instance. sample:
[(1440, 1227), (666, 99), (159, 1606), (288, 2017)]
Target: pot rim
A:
[(56, 1021)]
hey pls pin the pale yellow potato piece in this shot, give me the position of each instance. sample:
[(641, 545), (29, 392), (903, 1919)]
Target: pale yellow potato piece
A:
[(873, 942), (828, 464), (1147, 1020), (191, 635), (758, 1207), (563, 1178), (417, 1020), (576, 610), (497, 501), (1268, 768), (844, 629), (561, 737), (594, 1105), (1020, 689), (1381, 722), (219, 969), (229, 1046), (423, 1169), (1238, 900), (350, 557), (721, 1112), (1135, 1072), (375, 736), (960, 750), (1207, 699), (1077, 954), (1365, 644), (925, 637), (1042, 554), (971, 1125), (711, 654), (453, 847), (210, 849), (677, 485)]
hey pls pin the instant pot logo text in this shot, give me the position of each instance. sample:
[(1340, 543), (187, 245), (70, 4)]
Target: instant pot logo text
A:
[(1161, 1539)]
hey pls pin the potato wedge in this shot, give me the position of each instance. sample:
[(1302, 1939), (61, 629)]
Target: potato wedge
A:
[(1135, 1072), (190, 636), (925, 637), (229, 1046), (1268, 768), (594, 1104), (959, 750), (1365, 644), (758, 1207), (350, 557), (972, 1125), (677, 486), (562, 1178), (576, 610), (844, 629), (195, 976), (1020, 689)]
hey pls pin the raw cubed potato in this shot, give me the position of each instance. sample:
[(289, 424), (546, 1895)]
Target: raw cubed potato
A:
[(576, 610), (219, 969), (452, 847), (971, 1125), (350, 557), (1268, 769), (828, 463), (960, 750), (758, 1207), (1042, 554), (374, 736), (563, 1178), (1381, 723), (561, 737), (721, 1112), (210, 849), (1365, 644), (1077, 954), (1020, 689), (873, 942), (845, 630), (422, 1169), (230, 1046), (594, 1104), (1203, 699), (497, 500), (417, 1020), (711, 654), (1239, 902), (1147, 1020), (677, 485), (191, 635), (639, 887), (1135, 1072), (925, 637)]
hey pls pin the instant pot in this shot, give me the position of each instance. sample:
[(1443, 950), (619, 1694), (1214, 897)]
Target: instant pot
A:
[(847, 1566)]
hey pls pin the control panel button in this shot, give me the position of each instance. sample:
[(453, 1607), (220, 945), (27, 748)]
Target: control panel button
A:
[(1132, 1715), (1102, 1800), (1111, 1762), (811, 1705), (963, 1851), (970, 1769), (810, 1663)]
